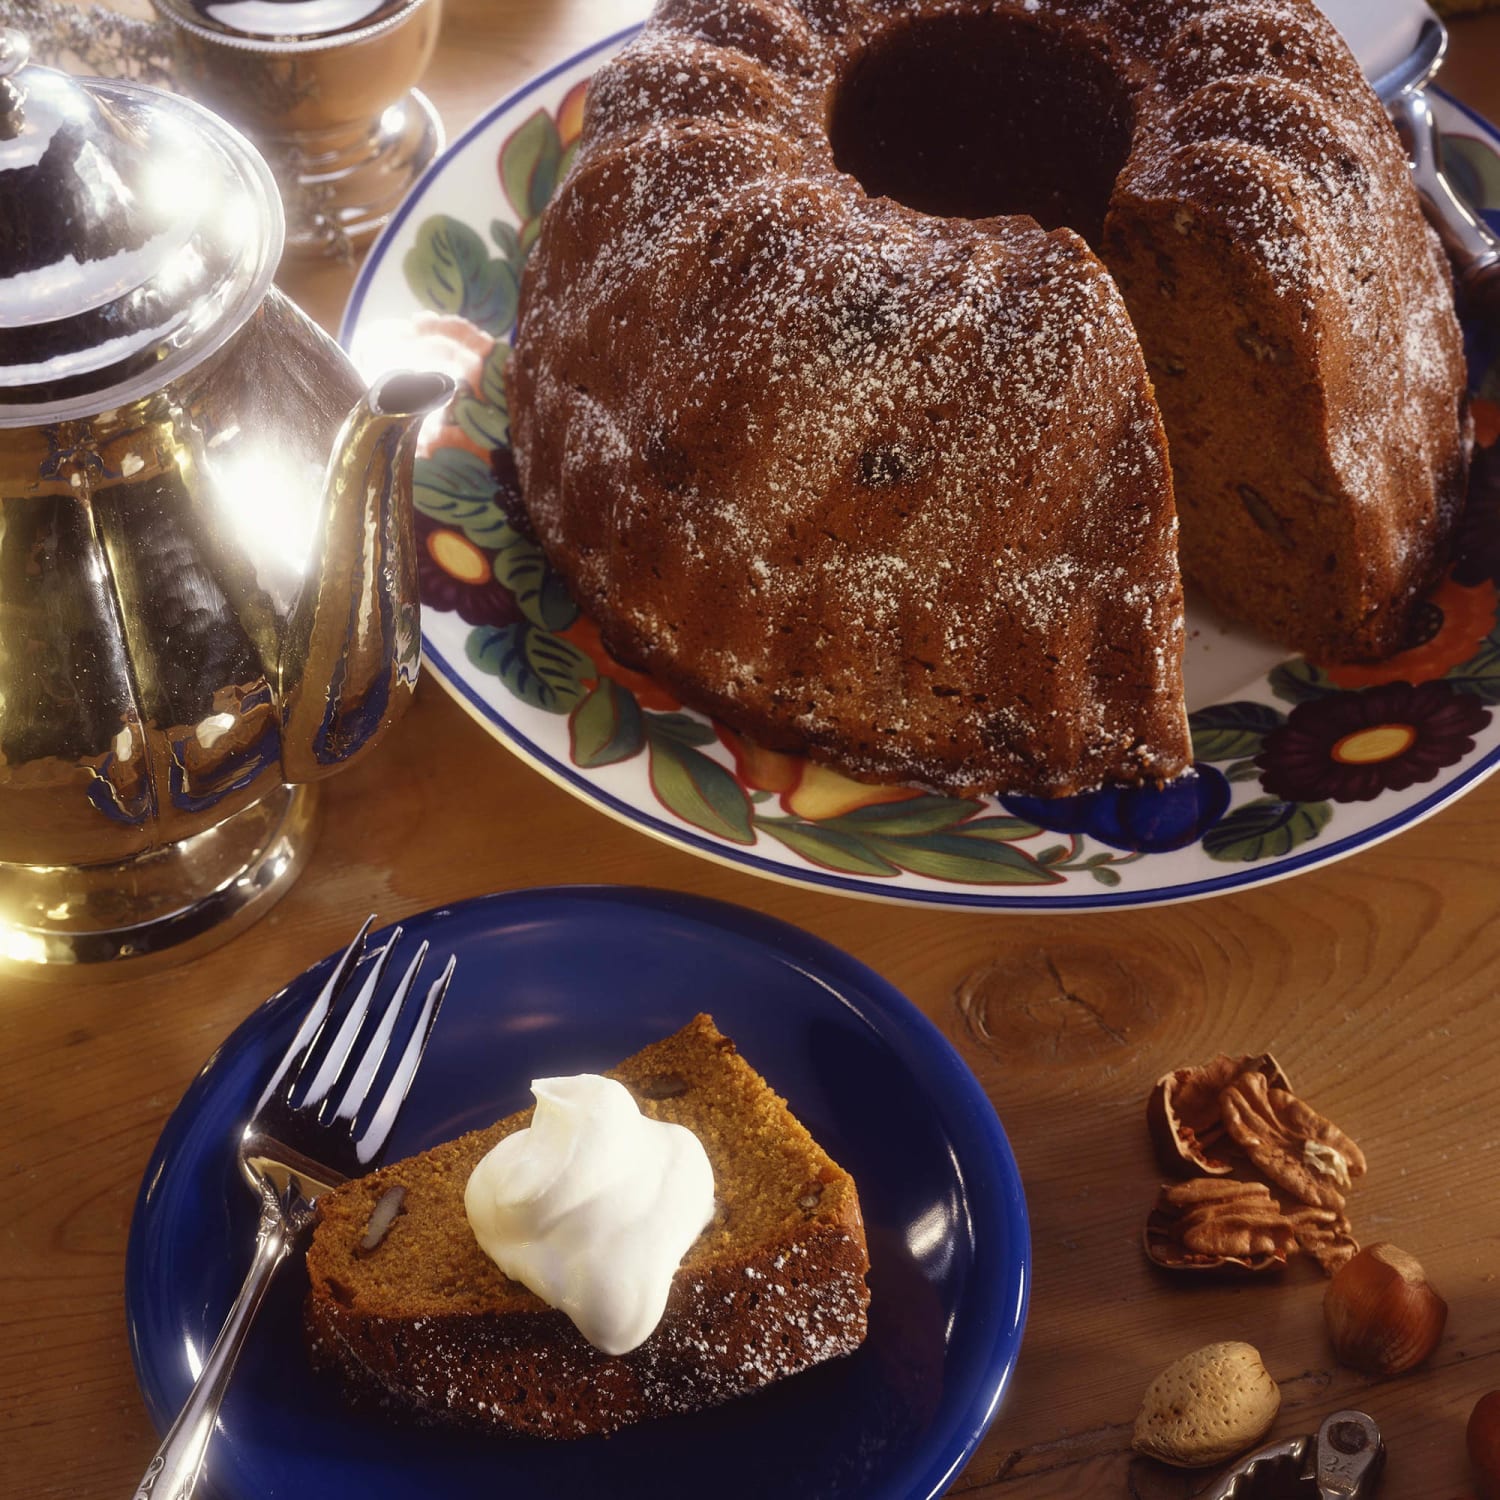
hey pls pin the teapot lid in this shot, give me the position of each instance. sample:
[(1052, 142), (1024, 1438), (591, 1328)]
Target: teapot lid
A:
[(137, 233)]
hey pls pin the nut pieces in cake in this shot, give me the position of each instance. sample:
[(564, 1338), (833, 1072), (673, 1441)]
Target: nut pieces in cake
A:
[(1240, 1116)]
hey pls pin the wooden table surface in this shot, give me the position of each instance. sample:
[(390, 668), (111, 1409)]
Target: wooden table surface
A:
[(1375, 982)]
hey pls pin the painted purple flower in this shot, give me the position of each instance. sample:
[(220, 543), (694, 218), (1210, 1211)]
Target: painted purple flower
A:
[(454, 574), (1351, 747), (1144, 819)]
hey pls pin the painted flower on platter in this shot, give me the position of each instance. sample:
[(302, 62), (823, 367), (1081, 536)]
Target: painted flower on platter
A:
[(455, 574), (646, 691), (1141, 819), (806, 789), (1351, 747), (1450, 628)]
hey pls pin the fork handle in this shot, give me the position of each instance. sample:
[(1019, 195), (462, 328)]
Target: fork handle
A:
[(173, 1473)]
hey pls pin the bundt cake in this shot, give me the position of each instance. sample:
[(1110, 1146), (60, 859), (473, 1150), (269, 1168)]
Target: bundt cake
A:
[(412, 1314), (832, 389)]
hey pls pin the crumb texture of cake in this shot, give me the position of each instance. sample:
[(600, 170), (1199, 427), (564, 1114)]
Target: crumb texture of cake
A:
[(848, 365), (426, 1323)]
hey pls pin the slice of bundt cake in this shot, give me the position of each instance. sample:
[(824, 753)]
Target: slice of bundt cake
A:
[(409, 1310), (834, 423)]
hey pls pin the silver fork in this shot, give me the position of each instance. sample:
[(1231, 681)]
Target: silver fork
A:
[(299, 1142)]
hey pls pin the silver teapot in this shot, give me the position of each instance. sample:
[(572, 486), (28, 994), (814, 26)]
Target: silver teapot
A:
[(208, 594)]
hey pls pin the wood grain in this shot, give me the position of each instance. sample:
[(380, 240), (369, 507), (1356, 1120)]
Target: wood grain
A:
[(1375, 981)]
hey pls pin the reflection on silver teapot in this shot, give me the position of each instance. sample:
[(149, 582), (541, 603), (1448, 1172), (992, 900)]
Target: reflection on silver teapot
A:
[(207, 578)]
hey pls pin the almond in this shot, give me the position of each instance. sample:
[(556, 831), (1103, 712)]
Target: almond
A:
[(1210, 1405)]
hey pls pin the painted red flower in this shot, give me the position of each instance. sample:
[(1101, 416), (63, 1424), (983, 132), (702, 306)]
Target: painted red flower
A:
[(807, 789), (1351, 747), (454, 574), (1448, 630), (649, 693)]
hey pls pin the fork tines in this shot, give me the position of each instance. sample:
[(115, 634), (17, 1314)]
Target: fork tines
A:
[(308, 1044)]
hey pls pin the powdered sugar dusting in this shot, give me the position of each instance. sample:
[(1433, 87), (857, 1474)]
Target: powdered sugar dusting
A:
[(890, 485)]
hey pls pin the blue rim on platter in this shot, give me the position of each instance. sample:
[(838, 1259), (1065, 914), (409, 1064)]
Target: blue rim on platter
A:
[(572, 979), (439, 288)]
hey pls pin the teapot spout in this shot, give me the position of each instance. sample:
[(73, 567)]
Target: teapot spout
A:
[(350, 656)]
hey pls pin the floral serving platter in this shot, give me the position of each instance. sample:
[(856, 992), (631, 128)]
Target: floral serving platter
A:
[(1297, 763)]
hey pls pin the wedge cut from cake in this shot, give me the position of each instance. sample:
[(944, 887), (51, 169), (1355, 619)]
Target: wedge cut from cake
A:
[(412, 1313)]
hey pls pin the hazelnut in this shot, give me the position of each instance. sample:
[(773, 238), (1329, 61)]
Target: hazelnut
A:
[(1382, 1314), (1484, 1444)]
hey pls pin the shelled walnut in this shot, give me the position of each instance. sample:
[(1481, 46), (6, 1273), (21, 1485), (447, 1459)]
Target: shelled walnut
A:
[(1210, 1224), (1291, 1143), (1239, 1116), (1184, 1117)]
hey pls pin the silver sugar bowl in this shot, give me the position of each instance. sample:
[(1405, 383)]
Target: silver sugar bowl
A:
[(325, 90), (208, 592)]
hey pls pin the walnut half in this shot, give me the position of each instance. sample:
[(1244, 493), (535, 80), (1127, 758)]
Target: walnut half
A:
[(1185, 1117), (1290, 1142)]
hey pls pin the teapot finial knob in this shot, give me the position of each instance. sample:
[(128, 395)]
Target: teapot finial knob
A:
[(15, 53)]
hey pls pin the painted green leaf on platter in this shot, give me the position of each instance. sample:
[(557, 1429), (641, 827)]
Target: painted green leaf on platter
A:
[(529, 164), (506, 239), (540, 668), (828, 847), (484, 414), (1299, 680), (480, 422), (456, 488), (1232, 731), (950, 856), (699, 790), (522, 567), (1002, 830), (450, 270), (1266, 828), (607, 727), (683, 728), (1479, 675), (915, 815)]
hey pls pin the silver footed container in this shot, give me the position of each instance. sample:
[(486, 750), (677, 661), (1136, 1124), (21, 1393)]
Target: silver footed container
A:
[(325, 90), (207, 578)]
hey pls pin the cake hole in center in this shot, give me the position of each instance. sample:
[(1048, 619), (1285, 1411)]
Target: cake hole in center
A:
[(974, 116)]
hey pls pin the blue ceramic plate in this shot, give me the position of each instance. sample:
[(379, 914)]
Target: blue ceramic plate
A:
[(1298, 764), (570, 980)]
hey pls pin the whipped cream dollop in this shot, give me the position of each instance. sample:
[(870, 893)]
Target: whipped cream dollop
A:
[(593, 1207)]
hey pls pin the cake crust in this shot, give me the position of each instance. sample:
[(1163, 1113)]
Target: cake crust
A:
[(427, 1324)]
